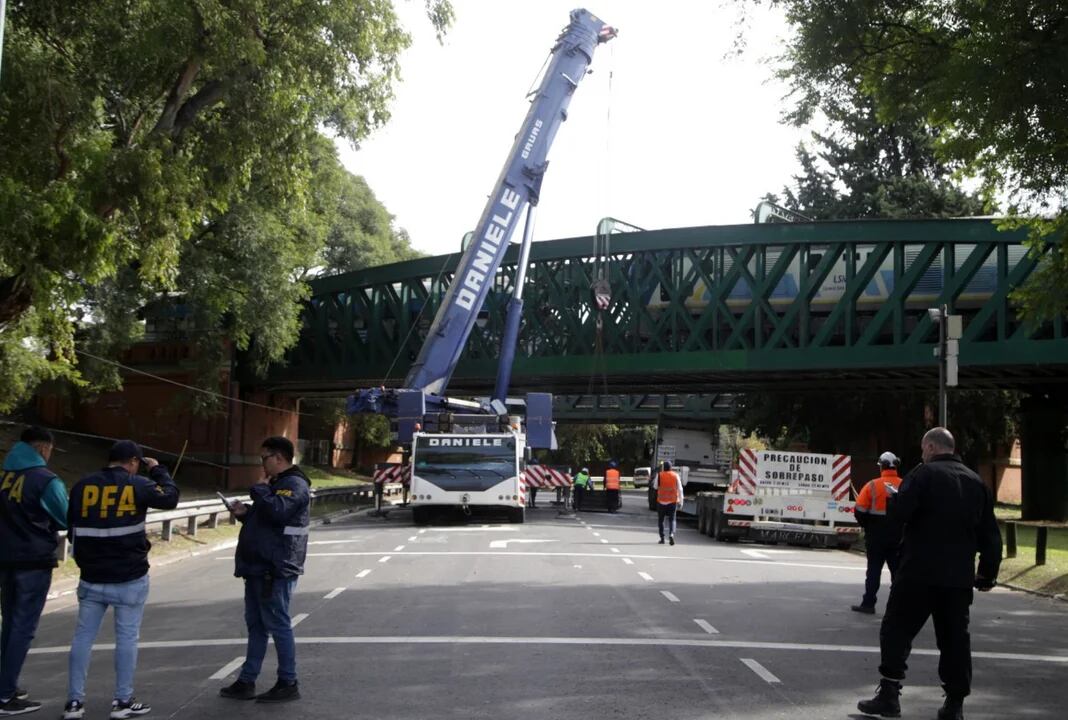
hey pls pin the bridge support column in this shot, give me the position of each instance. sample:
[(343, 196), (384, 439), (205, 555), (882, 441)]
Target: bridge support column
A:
[(1044, 456)]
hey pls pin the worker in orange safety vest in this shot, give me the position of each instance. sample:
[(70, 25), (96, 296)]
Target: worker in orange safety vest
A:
[(611, 486), (881, 538), (668, 487)]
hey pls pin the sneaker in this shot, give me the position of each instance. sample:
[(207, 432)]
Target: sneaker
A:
[(952, 709), (886, 702), (281, 692), (661, 541), (21, 694), (127, 709), (74, 710), (866, 609), (19, 706), (239, 690), (671, 540)]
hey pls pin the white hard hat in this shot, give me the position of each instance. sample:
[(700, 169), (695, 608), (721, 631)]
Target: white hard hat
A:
[(889, 459)]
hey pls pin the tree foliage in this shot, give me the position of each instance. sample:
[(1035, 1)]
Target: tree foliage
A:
[(593, 445), (161, 146), (989, 77)]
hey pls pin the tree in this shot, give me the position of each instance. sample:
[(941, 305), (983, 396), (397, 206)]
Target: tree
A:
[(135, 129), (989, 77), (865, 167)]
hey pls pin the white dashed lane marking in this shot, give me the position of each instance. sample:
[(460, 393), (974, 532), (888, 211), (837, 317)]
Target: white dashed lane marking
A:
[(628, 561), (669, 595), (363, 574), (759, 670), (398, 548), (703, 624), (384, 559), (297, 619), (646, 576), (333, 593), (228, 668), (615, 549)]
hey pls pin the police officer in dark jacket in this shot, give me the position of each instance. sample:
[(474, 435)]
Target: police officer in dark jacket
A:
[(33, 506), (947, 516), (107, 524), (270, 556)]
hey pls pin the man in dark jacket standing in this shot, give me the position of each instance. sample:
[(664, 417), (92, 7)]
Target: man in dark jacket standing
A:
[(33, 506), (270, 556), (947, 516), (107, 524)]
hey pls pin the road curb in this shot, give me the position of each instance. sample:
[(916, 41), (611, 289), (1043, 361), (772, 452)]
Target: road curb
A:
[(1061, 597)]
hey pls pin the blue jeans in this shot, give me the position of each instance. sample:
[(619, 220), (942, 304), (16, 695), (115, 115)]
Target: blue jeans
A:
[(666, 512), (22, 598), (267, 612), (128, 599)]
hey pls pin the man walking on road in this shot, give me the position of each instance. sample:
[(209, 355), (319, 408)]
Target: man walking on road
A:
[(668, 488), (107, 524), (33, 506), (947, 514), (881, 538), (270, 556)]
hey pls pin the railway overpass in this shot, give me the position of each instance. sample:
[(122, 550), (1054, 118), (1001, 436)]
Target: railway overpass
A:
[(705, 311)]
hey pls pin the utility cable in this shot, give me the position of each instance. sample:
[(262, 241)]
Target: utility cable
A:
[(220, 396)]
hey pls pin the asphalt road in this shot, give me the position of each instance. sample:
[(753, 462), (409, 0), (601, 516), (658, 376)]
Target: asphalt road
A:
[(561, 617)]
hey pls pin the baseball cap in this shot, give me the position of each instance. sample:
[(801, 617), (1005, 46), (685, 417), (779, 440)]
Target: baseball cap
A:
[(125, 450), (888, 459)]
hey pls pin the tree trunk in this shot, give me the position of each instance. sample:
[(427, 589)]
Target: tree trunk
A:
[(16, 296)]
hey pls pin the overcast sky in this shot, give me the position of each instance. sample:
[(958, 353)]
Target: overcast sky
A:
[(670, 130)]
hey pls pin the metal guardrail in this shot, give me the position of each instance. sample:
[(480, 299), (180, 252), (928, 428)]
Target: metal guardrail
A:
[(193, 511)]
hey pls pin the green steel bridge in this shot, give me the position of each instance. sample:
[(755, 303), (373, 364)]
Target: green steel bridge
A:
[(699, 312)]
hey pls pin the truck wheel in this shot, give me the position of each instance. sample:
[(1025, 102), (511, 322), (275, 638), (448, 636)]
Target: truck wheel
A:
[(420, 515), (517, 515), (718, 524)]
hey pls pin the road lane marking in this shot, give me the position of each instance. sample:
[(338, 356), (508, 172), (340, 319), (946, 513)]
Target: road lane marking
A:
[(478, 528), (333, 593), (527, 640), (736, 561), (297, 619), (767, 553), (703, 624), (521, 541), (398, 548), (411, 539), (669, 595), (362, 574), (759, 670), (646, 576), (384, 559), (422, 531), (604, 541), (597, 534), (228, 668), (615, 549), (628, 561)]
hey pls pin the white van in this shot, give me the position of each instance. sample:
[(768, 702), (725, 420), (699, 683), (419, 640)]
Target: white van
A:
[(642, 476)]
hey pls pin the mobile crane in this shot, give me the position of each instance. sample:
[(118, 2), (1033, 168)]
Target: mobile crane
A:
[(470, 453)]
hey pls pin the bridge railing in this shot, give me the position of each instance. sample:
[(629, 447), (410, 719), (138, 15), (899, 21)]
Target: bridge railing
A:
[(208, 511)]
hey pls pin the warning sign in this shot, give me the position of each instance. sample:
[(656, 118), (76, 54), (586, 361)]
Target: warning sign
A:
[(795, 471)]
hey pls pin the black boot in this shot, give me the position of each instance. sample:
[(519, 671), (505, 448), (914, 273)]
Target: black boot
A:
[(886, 701), (952, 709)]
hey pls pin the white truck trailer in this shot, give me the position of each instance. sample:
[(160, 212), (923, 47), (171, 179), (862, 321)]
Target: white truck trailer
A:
[(781, 496)]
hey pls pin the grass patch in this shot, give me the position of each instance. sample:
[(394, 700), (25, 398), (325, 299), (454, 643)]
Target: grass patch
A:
[(1007, 511), (1022, 571), (333, 477)]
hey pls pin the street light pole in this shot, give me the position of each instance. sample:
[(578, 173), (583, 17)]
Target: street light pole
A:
[(942, 357)]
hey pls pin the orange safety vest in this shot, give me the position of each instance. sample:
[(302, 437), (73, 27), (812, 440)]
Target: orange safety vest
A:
[(667, 489), (872, 498), (611, 479)]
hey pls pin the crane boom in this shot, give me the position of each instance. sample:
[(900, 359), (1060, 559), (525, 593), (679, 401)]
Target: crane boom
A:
[(518, 185)]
